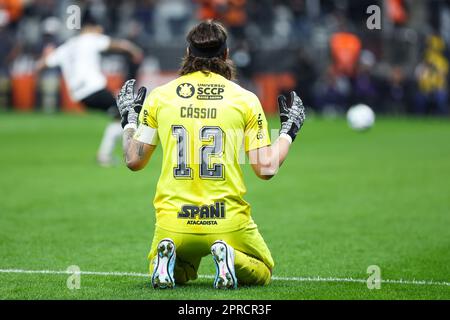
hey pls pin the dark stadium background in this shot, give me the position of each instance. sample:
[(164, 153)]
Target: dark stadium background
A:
[(277, 46)]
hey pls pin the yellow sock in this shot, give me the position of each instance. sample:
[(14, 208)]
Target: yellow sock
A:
[(250, 271)]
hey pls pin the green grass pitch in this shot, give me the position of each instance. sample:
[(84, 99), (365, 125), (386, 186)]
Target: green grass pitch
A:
[(342, 201)]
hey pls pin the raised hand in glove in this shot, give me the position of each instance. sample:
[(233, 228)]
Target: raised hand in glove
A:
[(129, 104), (292, 115)]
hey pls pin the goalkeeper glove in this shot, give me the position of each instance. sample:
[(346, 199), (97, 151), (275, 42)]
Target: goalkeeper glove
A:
[(130, 105), (292, 116)]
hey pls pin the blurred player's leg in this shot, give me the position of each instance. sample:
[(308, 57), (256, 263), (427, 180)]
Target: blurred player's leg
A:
[(112, 134), (103, 100)]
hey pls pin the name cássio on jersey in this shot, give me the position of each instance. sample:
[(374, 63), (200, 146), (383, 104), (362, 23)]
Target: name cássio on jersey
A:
[(192, 112)]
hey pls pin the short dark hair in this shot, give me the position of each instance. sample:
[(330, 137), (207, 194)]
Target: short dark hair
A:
[(89, 20), (207, 50)]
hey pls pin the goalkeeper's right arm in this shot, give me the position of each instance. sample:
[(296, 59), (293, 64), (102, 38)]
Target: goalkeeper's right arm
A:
[(136, 153)]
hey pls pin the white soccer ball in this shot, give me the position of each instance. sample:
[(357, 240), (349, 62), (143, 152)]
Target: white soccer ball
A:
[(360, 117)]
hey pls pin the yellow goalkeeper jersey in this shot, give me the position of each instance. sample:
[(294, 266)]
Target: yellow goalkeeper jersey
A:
[(204, 124)]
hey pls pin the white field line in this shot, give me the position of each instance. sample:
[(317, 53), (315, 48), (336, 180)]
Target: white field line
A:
[(295, 279)]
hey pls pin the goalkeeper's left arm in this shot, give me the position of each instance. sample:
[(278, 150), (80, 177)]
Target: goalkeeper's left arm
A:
[(136, 153), (267, 160)]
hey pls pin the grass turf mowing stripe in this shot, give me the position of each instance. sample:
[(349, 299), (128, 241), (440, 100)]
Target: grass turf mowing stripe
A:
[(299, 279)]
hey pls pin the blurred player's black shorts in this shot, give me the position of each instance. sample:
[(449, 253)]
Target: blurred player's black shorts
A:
[(102, 100)]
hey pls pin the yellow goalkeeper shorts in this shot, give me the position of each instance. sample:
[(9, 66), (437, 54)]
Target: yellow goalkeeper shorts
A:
[(253, 259)]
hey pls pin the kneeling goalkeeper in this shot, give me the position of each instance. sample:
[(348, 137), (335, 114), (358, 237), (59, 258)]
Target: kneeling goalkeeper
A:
[(201, 120)]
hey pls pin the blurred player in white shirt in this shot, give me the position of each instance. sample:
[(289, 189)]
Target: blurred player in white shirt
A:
[(80, 61)]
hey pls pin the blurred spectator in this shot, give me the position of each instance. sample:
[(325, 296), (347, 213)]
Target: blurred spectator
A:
[(9, 48), (370, 66), (432, 79), (8, 51), (261, 14), (144, 13), (305, 76), (230, 12), (235, 17), (210, 9), (171, 17), (333, 92), (243, 60), (365, 85), (394, 92), (345, 51), (10, 11), (397, 11)]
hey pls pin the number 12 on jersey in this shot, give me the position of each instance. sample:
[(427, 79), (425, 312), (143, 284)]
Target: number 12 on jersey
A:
[(207, 170)]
